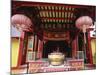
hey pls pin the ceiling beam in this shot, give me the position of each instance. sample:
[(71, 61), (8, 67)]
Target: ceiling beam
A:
[(23, 3)]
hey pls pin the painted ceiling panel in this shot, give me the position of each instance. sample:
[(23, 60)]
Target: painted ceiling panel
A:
[(50, 15)]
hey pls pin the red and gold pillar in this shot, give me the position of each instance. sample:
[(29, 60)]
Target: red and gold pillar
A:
[(89, 50), (40, 49), (21, 49)]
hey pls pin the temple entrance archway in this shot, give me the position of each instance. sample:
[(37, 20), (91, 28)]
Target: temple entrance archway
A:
[(52, 46)]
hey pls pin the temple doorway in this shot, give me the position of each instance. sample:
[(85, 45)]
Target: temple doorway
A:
[(51, 46)]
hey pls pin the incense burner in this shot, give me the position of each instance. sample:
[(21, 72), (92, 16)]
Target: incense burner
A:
[(56, 58)]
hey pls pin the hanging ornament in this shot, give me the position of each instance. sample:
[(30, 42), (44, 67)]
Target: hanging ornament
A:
[(21, 22), (84, 23)]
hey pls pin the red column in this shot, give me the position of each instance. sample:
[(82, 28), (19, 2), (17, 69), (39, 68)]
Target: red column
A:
[(35, 42), (77, 49), (40, 48), (89, 49), (38, 52), (20, 48), (74, 47), (25, 41), (35, 47)]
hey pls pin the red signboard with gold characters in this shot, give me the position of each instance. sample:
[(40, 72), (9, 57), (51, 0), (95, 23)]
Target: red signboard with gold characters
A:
[(57, 36)]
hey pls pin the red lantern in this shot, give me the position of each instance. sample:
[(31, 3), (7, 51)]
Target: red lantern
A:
[(83, 22), (21, 22)]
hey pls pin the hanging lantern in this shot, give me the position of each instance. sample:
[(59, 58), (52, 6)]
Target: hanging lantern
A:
[(83, 22), (21, 22)]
